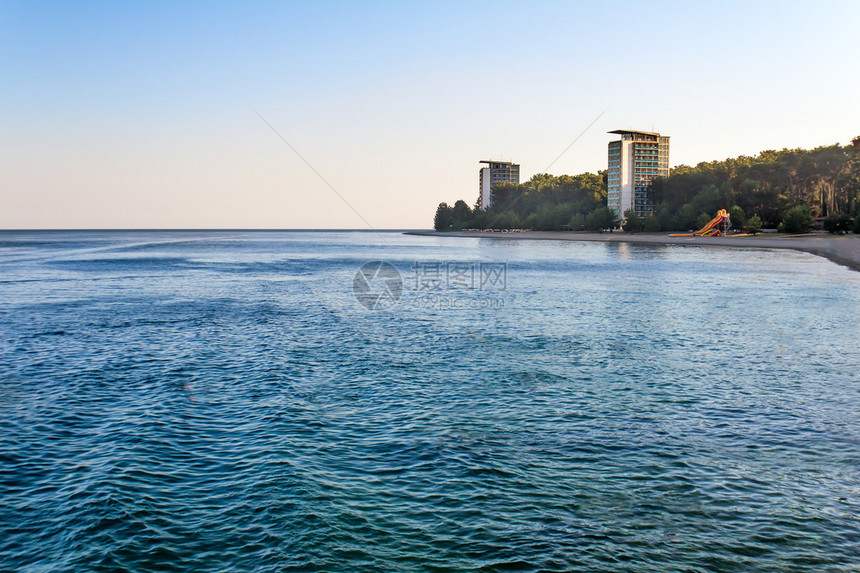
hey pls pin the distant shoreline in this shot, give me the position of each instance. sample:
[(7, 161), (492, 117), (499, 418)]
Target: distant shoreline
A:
[(843, 250)]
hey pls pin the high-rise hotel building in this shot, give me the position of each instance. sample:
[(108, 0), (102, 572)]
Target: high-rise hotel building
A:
[(634, 160), (495, 172)]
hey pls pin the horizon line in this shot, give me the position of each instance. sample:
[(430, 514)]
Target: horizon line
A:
[(273, 229)]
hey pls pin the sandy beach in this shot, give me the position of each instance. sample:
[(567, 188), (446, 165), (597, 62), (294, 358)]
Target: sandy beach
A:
[(843, 250)]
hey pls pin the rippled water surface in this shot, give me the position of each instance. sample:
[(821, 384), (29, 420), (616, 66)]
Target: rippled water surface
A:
[(220, 401)]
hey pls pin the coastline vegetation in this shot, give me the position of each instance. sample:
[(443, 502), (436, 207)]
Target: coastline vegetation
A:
[(784, 190)]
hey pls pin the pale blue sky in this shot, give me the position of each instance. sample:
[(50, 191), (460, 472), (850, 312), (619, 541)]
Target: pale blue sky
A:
[(116, 115)]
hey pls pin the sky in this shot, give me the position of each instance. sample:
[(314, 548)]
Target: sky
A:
[(157, 114)]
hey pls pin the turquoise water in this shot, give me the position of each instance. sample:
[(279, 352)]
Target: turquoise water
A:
[(222, 401)]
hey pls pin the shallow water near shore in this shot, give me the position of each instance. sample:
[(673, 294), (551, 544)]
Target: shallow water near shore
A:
[(224, 401)]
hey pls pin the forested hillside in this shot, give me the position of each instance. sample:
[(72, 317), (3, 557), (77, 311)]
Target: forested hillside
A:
[(787, 188)]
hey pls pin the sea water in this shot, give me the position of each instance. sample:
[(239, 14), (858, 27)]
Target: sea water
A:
[(359, 401)]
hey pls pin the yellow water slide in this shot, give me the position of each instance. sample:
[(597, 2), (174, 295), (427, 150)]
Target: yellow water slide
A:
[(712, 229)]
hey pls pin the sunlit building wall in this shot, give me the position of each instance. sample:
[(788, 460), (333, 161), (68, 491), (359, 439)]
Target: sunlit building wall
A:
[(633, 162)]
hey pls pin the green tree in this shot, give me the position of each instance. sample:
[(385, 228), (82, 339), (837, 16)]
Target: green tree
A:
[(798, 219), (685, 218), (461, 211), (633, 223), (652, 224), (702, 220), (600, 219), (737, 216), (837, 223), (444, 217), (577, 222), (505, 194), (752, 225), (508, 220), (480, 219), (666, 218), (549, 217)]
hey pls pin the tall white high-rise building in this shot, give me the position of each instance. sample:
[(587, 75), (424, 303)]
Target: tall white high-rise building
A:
[(495, 172), (634, 160)]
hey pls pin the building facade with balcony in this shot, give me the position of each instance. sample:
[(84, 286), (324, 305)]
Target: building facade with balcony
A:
[(494, 173), (634, 160)]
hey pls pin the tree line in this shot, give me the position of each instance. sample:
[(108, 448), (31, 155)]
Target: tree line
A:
[(782, 190)]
